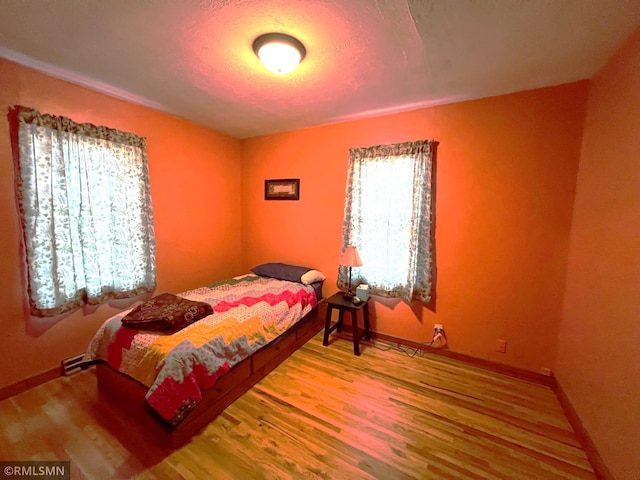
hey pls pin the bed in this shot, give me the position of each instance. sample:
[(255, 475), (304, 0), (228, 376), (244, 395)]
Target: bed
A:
[(175, 362)]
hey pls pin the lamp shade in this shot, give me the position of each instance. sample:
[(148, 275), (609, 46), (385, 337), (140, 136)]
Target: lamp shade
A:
[(350, 257), (279, 52)]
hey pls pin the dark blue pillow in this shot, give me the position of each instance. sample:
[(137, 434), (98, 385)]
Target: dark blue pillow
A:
[(283, 271)]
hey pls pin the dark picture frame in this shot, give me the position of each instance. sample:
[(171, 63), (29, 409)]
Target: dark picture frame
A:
[(282, 189)]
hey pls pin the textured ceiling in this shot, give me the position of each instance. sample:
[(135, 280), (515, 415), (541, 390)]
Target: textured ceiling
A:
[(364, 57)]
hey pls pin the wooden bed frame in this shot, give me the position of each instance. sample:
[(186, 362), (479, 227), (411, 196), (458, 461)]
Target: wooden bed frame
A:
[(129, 395)]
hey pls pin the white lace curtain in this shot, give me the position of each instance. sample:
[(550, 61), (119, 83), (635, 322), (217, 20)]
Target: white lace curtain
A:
[(388, 216), (85, 207)]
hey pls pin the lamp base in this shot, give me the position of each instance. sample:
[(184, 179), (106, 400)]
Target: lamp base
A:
[(348, 295)]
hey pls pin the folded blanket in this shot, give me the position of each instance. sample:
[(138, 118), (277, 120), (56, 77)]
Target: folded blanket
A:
[(166, 313)]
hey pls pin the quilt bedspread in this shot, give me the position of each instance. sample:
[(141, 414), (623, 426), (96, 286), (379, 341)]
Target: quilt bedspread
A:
[(248, 313)]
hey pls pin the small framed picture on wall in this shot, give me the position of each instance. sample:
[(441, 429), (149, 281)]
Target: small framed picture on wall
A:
[(282, 189)]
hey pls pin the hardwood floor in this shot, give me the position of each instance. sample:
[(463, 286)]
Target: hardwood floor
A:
[(323, 413)]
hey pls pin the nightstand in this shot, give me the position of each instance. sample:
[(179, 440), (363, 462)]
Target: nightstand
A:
[(344, 304)]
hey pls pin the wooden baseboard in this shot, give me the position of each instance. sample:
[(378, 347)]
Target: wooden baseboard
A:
[(516, 372), (24, 385), (598, 464)]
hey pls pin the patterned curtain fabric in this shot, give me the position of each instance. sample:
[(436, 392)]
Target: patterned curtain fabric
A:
[(85, 204), (388, 218)]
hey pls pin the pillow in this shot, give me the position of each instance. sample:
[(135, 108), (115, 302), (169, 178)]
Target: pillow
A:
[(166, 313), (291, 273), (312, 276)]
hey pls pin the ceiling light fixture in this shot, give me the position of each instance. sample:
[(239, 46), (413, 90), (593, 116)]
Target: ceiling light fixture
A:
[(279, 52)]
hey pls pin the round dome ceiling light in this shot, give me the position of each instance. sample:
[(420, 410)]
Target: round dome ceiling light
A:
[(279, 52)]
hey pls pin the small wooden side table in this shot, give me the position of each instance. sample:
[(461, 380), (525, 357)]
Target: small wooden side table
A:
[(345, 304)]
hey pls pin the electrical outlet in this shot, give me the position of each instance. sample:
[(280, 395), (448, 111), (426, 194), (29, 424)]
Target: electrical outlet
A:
[(501, 346), (438, 328), (546, 371)]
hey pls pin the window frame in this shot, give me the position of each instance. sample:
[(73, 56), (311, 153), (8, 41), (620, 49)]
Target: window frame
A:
[(57, 159), (418, 260)]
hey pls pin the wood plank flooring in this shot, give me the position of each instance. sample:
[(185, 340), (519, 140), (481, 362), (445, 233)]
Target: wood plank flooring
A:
[(322, 414)]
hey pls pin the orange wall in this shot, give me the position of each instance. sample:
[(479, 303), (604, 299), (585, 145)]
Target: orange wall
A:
[(195, 180), (505, 180), (598, 362)]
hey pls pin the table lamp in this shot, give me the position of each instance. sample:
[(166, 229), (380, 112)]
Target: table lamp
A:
[(350, 258)]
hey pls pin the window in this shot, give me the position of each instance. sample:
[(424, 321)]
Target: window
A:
[(388, 215), (85, 208)]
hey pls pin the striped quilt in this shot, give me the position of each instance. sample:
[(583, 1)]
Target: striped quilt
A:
[(248, 313)]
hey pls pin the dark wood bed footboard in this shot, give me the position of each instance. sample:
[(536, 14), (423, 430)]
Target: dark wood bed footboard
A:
[(129, 394)]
